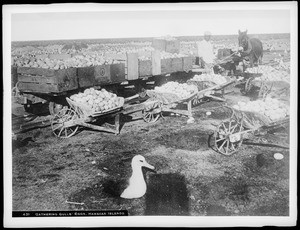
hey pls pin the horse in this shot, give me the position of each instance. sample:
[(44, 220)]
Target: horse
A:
[(252, 47)]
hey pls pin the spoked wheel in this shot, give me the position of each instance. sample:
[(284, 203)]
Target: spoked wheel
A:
[(228, 137), (151, 116), (62, 123), (247, 88)]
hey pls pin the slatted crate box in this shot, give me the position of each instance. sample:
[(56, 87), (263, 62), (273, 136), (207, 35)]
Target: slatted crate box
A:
[(14, 76), (188, 63), (171, 65), (177, 65), (100, 75), (145, 68), (166, 65), (41, 80)]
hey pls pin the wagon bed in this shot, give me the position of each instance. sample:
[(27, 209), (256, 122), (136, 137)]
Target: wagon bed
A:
[(229, 134)]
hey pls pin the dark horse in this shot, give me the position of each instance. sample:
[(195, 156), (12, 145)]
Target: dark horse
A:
[(252, 47)]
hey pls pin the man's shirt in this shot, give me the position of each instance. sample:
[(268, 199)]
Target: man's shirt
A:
[(205, 50)]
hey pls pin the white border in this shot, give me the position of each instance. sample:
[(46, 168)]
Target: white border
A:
[(166, 221)]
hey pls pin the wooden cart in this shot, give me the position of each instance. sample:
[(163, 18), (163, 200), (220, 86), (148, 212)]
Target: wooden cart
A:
[(265, 87), (66, 122), (229, 134), (209, 89), (159, 103)]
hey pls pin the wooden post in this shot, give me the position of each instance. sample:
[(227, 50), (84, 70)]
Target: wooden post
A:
[(117, 123), (132, 66), (156, 63), (189, 106)]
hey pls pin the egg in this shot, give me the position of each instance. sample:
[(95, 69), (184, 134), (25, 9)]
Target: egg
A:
[(278, 156)]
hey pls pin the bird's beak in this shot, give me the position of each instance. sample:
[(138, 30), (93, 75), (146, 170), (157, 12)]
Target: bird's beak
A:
[(149, 167)]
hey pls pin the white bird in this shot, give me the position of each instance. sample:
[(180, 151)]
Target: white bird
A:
[(137, 186)]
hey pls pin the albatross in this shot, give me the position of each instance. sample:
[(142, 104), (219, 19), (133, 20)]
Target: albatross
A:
[(136, 186)]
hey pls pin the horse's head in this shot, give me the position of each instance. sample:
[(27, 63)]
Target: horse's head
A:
[(243, 38)]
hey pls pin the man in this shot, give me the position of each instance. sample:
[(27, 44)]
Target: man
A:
[(206, 52)]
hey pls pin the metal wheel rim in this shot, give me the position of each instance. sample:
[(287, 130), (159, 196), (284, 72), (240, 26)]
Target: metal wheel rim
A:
[(248, 85), (150, 117), (222, 141), (58, 120)]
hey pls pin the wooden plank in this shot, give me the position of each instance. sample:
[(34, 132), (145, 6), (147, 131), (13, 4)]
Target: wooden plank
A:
[(117, 73), (67, 79), (132, 66), (102, 74), (188, 63), (86, 76), (156, 63), (37, 79), (176, 65), (14, 76), (60, 81), (37, 88), (166, 65), (145, 68), (36, 71)]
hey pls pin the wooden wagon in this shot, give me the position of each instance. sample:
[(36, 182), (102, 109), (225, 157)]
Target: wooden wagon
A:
[(229, 134), (66, 122)]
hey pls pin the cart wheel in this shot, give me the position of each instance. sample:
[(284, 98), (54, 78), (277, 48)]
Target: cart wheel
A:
[(248, 86), (228, 138), (58, 123), (150, 116)]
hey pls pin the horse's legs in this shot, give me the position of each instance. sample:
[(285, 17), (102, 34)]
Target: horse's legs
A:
[(251, 59)]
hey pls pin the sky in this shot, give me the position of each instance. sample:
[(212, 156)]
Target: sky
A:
[(146, 23)]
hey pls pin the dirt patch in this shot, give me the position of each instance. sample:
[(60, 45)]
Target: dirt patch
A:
[(167, 195), (185, 139)]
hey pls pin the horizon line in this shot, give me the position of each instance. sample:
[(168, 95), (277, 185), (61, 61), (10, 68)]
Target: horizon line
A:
[(142, 37)]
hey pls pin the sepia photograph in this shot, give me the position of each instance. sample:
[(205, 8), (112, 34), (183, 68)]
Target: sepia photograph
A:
[(150, 115)]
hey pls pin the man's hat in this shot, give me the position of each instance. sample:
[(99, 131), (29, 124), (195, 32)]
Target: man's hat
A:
[(207, 33)]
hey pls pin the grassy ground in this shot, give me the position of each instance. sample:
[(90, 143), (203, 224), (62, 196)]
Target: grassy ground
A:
[(192, 179)]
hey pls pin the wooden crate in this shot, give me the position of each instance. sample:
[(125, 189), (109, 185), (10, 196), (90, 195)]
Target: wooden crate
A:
[(132, 65), (117, 73), (156, 63), (176, 65), (41, 80), (145, 68), (86, 76), (166, 66), (188, 63), (171, 65), (100, 75), (93, 76), (14, 76)]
